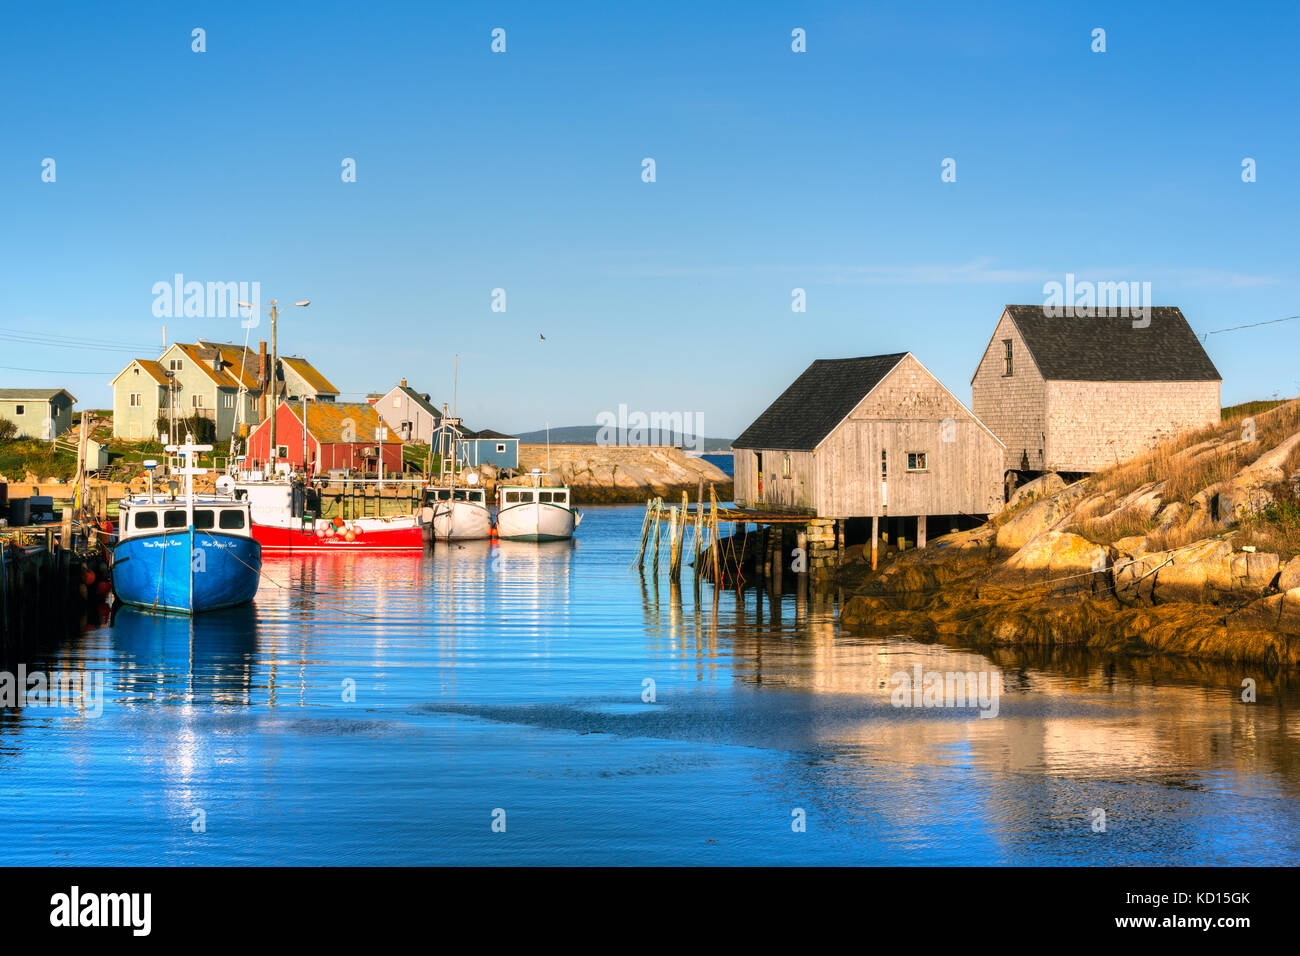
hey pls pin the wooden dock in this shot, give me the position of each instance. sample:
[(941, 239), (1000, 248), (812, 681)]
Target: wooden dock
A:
[(803, 543)]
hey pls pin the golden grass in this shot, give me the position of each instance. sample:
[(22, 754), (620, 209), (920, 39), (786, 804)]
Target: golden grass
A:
[(1186, 475)]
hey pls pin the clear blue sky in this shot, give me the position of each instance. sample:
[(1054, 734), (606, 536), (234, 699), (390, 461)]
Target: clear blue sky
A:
[(522, 170)]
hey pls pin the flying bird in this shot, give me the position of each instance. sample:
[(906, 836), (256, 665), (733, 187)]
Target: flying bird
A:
[(542, 337)]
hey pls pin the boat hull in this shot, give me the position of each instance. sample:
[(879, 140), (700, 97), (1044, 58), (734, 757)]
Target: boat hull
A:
[(460, 521), (186, 571), (535, 522), (375, 535)]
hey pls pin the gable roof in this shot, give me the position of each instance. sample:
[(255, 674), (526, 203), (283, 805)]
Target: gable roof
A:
[(203, 357), (308, 373), (328, 422), (488, 433), (820, 398), (417, 397), (1109, 349), (236, 358), (34, 394)]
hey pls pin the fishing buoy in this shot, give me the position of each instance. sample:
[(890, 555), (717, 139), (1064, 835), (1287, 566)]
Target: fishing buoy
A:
[(90, 578), (329, 531), (350, 536), (357, 530), (103, 588), (320, 530)]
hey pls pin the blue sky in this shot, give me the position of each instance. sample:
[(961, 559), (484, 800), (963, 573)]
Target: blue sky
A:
[(522, 171)]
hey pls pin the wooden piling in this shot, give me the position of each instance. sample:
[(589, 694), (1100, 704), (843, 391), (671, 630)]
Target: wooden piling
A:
[(658, 514), (713, 540), (645, 534)]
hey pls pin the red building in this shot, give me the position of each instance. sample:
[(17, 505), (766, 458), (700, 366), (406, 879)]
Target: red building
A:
[(339, 435)]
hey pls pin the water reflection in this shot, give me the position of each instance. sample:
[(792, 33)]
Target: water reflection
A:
[(368, 707)]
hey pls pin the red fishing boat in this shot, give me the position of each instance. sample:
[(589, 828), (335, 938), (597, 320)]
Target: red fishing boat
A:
[(282, 522)]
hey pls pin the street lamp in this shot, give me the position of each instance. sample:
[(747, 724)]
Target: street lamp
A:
[(274, 313)]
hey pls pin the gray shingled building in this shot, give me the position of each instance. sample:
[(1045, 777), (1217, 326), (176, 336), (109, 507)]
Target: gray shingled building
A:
[(1078, 394), (869, 437)]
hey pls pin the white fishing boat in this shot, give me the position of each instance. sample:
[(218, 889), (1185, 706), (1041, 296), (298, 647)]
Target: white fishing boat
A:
[(457, 513), (454, 510), (535, 511)]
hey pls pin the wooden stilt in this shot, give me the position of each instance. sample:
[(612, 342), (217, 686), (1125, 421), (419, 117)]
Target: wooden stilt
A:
[(920, 531), (778, 555)]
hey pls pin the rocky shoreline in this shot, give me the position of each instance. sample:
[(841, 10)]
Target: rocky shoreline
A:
[(615, 474), (1101, 565)]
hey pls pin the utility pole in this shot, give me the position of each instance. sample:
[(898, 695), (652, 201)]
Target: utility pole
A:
[(274, 378), (275, 388)]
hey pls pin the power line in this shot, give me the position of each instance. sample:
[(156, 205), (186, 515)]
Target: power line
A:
[(51, 371), (1252, 325)]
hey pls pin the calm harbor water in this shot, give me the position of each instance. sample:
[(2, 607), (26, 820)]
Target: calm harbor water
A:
[(510, 677)]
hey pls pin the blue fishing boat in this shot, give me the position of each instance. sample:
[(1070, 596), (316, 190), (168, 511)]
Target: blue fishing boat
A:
[(187, 554)]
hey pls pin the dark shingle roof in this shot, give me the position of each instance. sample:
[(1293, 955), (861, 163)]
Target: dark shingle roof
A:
[(1110, 349), (818, 400)]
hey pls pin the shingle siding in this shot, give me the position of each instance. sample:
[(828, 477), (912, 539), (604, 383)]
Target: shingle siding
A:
[(1093, 425), (1014, 407)]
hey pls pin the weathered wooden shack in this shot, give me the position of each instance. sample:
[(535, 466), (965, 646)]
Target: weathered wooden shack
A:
[(1078, 394), (877, 436)]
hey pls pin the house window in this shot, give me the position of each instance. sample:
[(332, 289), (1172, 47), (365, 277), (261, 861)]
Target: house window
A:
[(20, 409), (397, 401), (136, 370), (281, 451), (501, 446), (916, 461), (884, 465), (787, 466), (196, 401), (227, 400), (1006, 356), (137, 399), (174, 365)]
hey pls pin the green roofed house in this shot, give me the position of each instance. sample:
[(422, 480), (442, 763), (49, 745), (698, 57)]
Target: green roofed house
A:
[(42, 413)]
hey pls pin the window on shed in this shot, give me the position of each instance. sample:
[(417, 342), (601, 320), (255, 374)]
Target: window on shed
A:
[(20, 409), (501, 446), (884, 465), (1006, 356), (916, 461), (787, 466)]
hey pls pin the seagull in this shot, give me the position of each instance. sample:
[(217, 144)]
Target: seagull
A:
[(542, 337)]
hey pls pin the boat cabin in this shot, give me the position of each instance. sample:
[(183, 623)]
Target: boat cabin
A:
[(148, 516), (474, 495), (523, 496)]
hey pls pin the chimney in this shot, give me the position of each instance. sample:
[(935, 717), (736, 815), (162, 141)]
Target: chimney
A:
[(403, 383)]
